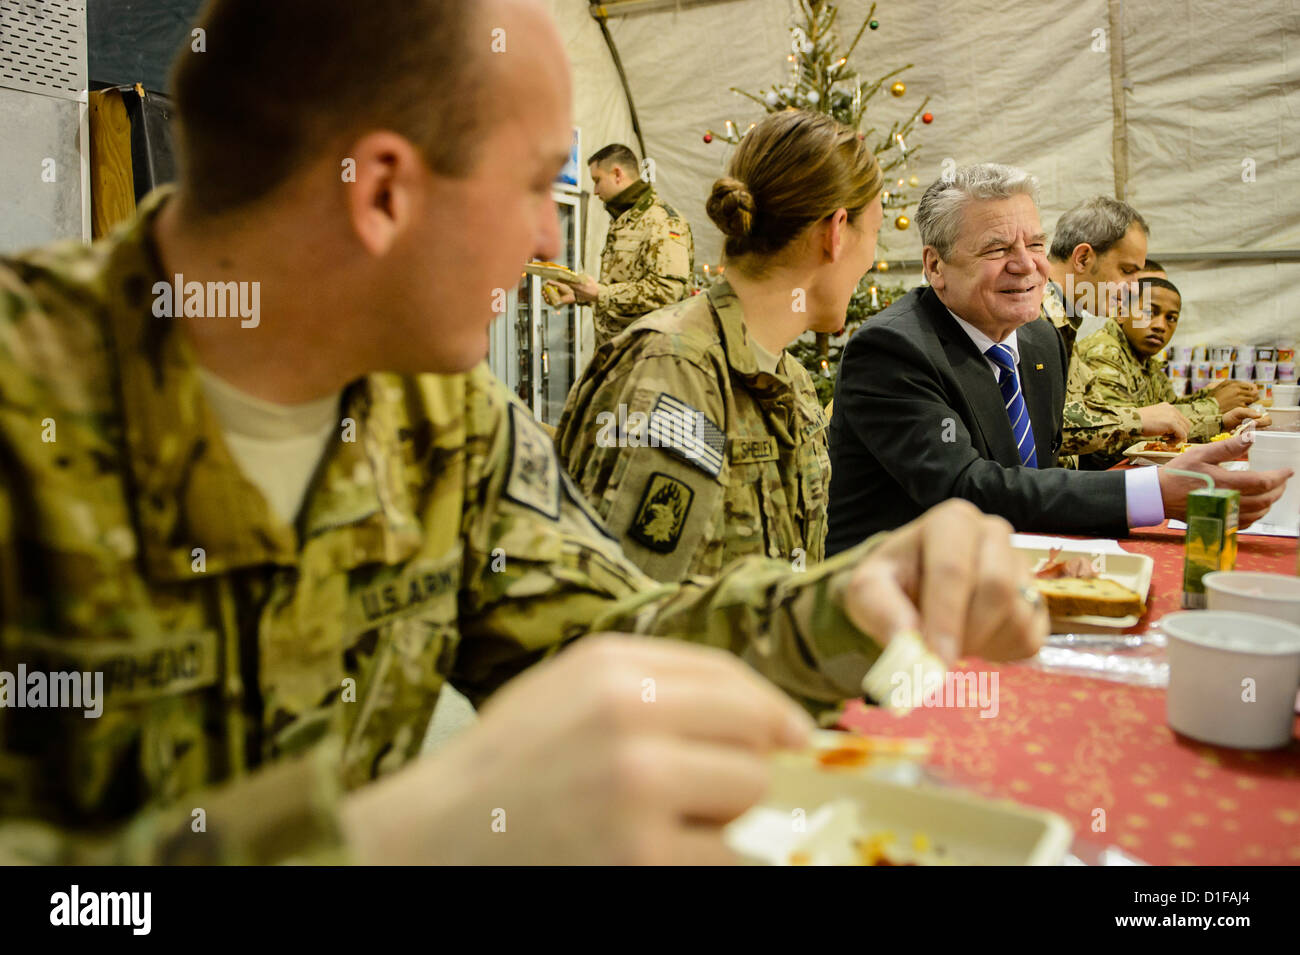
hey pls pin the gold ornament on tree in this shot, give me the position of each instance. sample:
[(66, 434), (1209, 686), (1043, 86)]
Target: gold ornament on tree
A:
[(899, 88), (902, 222)]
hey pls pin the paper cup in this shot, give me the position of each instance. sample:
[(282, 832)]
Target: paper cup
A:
[(1199, 352), (1286, 371), (1232, 677), (1265, 353), (1181, 352), (1265, 371), (1178, 369), (1285, 353), (1285, 417), (1244, 353), (1273, 595), (1220, 353), (1286, 394), (1274, 448), (1222, 370), (1243, 371)]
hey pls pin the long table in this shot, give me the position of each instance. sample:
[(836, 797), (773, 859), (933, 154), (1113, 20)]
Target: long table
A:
[(1101, 754)]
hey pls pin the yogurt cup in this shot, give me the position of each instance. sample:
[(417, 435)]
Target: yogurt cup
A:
[(1233, 677)]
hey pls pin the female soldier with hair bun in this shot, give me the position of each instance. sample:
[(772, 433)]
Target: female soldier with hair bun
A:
[(692, 433)]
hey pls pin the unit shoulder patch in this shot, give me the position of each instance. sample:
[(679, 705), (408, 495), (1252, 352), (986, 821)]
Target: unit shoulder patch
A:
[(661, 515), (533, 475)]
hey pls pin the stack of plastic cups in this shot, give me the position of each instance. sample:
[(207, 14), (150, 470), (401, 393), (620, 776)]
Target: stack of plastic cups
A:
[(1243, 363), (1286, 370), (1266, 371), (1279, 449)]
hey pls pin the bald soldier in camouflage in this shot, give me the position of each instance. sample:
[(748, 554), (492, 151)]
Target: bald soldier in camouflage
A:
[(441, 541), (269, 660), (693, 454), (649, 255)]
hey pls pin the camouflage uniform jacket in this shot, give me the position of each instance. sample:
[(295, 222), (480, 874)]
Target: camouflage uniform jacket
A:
[(257, 670), (1118, 378), (719, 460), (1087, 423), (648, 262)]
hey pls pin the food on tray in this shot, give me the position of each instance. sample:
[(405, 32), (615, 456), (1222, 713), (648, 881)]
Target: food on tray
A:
[(552, 271), (1166, 447), (1222, 436), (855, 752), (1094, 596), (882, 848), (1054, 568)]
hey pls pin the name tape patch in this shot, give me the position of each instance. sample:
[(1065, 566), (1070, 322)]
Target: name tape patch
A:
[(752, 450)]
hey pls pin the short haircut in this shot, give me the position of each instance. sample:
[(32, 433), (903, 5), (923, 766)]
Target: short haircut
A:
[(615, 154), (1099, 222), (1153, 266), (1155, 281), (282, 82), (939, 213)]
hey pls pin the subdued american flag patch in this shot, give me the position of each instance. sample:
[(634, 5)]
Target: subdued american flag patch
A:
[(688, 433)]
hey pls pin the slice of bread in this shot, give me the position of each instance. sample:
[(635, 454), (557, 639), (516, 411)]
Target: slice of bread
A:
[(1093, 597)]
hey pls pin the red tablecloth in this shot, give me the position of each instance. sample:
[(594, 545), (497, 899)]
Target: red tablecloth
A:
[(1100, 753)]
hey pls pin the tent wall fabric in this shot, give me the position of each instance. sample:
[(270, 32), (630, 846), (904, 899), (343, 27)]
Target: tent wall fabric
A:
[(1211, 94)]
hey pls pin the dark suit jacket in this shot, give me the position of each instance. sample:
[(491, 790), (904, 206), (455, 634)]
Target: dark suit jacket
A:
[(918, 418)]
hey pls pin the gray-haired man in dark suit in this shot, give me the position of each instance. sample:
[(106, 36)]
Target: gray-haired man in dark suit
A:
[(957, 390)]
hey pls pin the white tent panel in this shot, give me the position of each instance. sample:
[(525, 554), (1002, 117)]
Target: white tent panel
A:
[(1209, 85)]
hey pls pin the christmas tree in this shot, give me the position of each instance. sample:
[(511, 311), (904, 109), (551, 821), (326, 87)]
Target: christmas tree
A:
[(822, 79)]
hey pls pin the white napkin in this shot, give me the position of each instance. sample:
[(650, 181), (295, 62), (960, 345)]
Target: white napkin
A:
[(1037, 541)]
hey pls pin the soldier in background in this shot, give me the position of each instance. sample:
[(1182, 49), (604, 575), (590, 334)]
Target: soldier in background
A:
[(649, 255), (277, 535), (695, 436), (1097, 251), (1123, 372)]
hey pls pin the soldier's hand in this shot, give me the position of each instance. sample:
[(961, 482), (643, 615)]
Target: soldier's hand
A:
[(953, 575), (1259, 489), (558, 294), (586, 289), (1234, 394), (1164, 418), (620, 750), (1235, 417)]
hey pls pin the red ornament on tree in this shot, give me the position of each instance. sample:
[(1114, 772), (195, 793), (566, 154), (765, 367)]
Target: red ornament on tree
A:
[(927, 118), (708, 137)]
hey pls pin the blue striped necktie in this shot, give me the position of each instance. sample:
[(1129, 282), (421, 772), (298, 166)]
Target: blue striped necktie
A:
[(1014, 399)]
